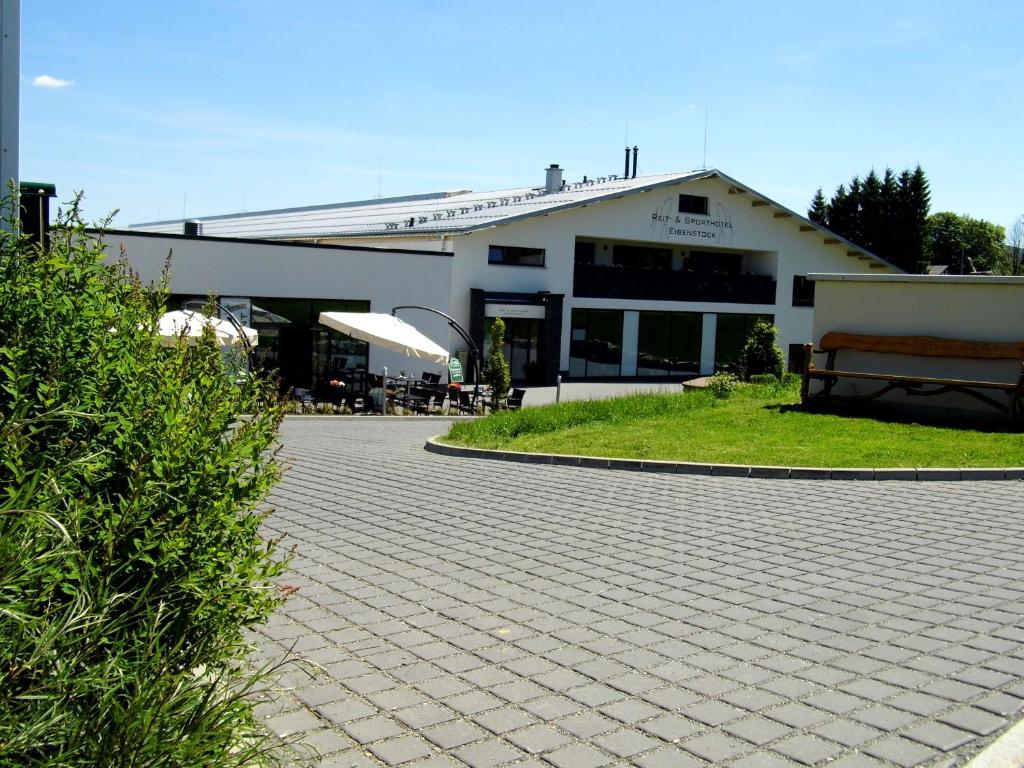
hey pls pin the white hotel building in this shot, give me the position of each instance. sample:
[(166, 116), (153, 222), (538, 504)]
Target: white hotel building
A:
[(603, 278)]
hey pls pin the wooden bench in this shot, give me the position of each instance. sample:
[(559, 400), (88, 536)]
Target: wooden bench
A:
[(917, 346)]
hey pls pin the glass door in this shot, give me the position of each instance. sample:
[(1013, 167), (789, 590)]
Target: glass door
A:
[(521, 341)]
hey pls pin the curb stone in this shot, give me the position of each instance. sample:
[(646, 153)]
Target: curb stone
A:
[(730, 470), (1005, 752)]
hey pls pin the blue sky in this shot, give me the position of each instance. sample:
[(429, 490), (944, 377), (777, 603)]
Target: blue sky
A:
[(160, 109)]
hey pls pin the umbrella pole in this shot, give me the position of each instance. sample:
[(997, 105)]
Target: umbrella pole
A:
[(235, 323), (473, 350), (384, 391)]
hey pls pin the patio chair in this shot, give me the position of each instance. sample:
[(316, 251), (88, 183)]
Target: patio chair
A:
[(434, 404), (465, 403), (415, 399), (305, 400), (515, 400)]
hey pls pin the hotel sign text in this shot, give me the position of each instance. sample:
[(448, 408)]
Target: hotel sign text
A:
[(666, 223)]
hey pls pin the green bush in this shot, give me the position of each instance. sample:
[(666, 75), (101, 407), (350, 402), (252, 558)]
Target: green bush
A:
[(131, 479), (721, 385), (761, 355), (496, 374)]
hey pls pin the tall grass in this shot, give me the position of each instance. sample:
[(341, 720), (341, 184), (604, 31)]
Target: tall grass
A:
[(757, 423), (503, 426)]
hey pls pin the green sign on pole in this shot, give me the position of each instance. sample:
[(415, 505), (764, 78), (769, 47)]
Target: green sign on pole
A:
[(455, 370)]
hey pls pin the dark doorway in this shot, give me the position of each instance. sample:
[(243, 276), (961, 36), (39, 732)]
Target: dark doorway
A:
[(521, 342), (521, 349)]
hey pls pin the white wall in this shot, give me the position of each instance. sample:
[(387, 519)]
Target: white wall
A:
[(976, 308), (230, 268), (776, 245)]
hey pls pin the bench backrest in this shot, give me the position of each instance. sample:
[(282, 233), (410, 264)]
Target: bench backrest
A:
[(927, 346)]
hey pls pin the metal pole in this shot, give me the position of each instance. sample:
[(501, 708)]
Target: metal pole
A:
[(473, 349), (384, 392), (235, 323), (558, 388)]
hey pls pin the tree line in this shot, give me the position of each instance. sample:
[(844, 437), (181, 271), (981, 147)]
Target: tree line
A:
[(890, 217)]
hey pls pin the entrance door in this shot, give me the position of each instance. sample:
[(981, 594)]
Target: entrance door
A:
[(521, 337)]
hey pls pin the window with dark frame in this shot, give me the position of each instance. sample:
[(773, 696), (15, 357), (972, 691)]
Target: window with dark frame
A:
[(515, 256), (595, 349), (803, 291), (732, 333), (693, 204)]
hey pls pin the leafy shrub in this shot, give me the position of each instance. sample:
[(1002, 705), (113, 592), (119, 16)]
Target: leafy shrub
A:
[(761, 355), (721, 385), (130, 556)]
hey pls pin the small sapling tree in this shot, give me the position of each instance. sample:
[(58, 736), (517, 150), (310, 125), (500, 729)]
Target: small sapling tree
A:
[(497, 375)]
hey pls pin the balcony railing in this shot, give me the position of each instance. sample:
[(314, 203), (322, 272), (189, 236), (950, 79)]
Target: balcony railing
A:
[(600, 282)]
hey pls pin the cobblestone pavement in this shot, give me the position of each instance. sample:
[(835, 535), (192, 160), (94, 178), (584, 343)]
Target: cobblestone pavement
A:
[(482, 613)]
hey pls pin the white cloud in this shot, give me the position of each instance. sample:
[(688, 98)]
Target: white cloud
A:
[(45, 81)]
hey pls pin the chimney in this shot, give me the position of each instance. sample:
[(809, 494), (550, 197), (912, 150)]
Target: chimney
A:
[(636, 154), (553, 182), (625, 173), (194, 228)]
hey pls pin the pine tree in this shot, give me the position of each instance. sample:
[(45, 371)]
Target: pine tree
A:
[(884, 216), (889, 216), (841, 212), (914, 202), (853, 201), (871, 223), (818, 212)]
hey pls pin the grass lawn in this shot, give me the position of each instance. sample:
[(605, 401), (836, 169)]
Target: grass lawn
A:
[(755, 425)]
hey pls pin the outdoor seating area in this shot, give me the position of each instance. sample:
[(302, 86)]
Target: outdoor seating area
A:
[(423, 395)]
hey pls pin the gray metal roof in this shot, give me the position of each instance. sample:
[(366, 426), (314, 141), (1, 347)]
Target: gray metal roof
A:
[(437, 213), (459, 212)]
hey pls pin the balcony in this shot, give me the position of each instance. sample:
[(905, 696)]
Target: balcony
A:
[(601, 282)]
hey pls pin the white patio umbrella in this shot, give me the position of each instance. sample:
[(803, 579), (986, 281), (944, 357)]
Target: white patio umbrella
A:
[(190, 325), (386, 331)]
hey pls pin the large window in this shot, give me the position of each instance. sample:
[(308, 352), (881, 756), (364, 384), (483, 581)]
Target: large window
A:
[(585, 253), (714, 261), (515, 256), (669, 343), (292, 342), (596, 347), (642, 257), (732, 334)]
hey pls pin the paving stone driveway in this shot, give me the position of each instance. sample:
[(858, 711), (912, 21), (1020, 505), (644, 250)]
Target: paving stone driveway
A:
[(482, 613)]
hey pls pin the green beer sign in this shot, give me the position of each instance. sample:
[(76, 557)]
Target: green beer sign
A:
[(455, 370)]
